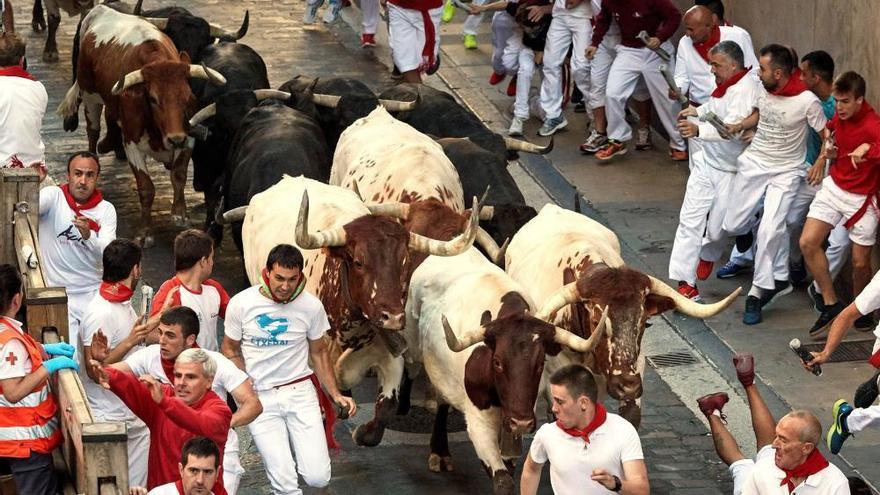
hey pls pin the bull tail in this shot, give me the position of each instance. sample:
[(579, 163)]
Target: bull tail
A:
[(70, 105), (74, 55)]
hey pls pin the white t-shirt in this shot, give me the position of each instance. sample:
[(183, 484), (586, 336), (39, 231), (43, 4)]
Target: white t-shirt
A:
[(69, 260), (115, 321), (166, 489), (15, 362), (209, 304), (737, 103), (148, 361), (572, 460), (274, 336), (780, 141), (692, 72), (582, 11), (22, 106), (766, 479)]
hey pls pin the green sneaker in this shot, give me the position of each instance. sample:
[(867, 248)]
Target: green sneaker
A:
[(838, 432), (470, 41), (448, 11)]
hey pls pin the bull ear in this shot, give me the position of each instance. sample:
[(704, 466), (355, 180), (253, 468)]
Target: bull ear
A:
[(655, 305), (486, 318), (184, 58)]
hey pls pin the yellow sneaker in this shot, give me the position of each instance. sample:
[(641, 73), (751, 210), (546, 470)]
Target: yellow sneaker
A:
[(470, 41), (448, 11)]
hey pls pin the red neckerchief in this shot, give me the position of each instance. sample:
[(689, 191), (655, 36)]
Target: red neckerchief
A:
[(815, 462), (179, 485), (793, 87), (723, 87), (115, 292), (16, 71), (704, 47), (598, 420), (90, 203)]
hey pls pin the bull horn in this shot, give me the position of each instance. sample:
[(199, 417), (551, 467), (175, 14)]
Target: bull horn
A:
[(233, 215), (202, 72), (127, 81), (397, 106), (306, 240), (487, 213), (565, 295), (159, 22), (399, 211), (265, 94), (458, 344), (577, 344), (527, 147), (454, 247), (219, 32), (689, 307), (496, 254), (357, 192), (329, 101), (203, 115), (138, 8)]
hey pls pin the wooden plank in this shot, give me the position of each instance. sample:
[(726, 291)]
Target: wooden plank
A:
[(106, 454), (47, 307)]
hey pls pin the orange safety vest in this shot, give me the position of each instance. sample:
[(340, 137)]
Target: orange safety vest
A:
[(30, 424)]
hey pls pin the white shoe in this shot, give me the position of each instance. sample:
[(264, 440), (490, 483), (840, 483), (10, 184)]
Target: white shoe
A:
[(643, 139), (516, 126)]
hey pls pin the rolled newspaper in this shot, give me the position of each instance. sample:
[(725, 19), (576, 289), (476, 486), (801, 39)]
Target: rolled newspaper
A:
[(643, 36), (146, 302), (717, 123), (670, 81)]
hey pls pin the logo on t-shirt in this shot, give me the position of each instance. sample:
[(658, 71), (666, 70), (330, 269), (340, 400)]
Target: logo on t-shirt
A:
[(274, 327), (71, 233)]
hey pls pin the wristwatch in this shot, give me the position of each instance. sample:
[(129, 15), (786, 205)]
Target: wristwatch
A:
[(617, 484)]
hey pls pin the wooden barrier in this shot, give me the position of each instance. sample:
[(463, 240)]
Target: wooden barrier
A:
[(94, 454)]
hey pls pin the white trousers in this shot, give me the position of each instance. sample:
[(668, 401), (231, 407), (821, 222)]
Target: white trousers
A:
[(502, 29), (232, 468), (564, 32), (472, 23), (369, 23), (859, 419), (520, 60), (289, 426), (628, 66), (600, 66), (76, 311), (700, 220), (778, 187), (406, 35)]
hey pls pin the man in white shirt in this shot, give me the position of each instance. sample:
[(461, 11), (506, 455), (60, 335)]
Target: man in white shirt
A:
[(76, 224), (178, 330), (193, 263), (771, 168), (700, 238), (272, 331), (590, 450), (198, 469), (23, 102)]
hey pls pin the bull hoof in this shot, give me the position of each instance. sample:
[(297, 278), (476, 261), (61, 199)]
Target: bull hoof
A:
[(106, 145), (120, 154), (71, 123), (38, 25), (632, 412), (502, 483), (367, 435), (50, 56), (439, 464)]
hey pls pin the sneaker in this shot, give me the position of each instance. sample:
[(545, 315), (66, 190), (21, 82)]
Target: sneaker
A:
[(552, 125), (781, 288), (823, 323), (867, 392), (708, 404), (516, 126), (678, 155), (470, 41), (818, 300), (752, 315), (496, 78), (368, 40), (732, 269), (612, 149), (643, 139), (594, 142), (689, 291), (448, 11), (331, 15), (865, 323), (580, 107), (838, 433), (704, 269), (797, 272), (744, 242), (511, 86), (311, 12), (745, 368), (395, 74)]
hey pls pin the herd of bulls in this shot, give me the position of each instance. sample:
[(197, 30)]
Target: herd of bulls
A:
[(377, 187)]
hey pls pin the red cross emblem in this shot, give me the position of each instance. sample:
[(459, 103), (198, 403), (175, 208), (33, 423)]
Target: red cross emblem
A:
[(11, 358)]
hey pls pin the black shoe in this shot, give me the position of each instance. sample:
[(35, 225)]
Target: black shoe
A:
[(752, 315), (867, 392), (818, 300), (576, 95), (434, 68), (395, 74), (769, 296), (744, 242), (580, 107), (823, 324), (797, 272), (865, 323)]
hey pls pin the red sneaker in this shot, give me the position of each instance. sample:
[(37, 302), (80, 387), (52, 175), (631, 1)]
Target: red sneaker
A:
[(688, 291), (511, 87), (496, 78), (745, 368), (704, 269), (713, 402), (678, 155), (612, 149), (368, 40)]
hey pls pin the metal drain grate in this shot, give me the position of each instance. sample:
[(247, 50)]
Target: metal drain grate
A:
[(670, 359), (853, 350)]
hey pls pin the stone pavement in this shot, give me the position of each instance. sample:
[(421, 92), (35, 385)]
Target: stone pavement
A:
[(680, 456)]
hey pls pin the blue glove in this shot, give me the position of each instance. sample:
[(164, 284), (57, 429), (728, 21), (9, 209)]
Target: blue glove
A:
[(59, 349), (60, 363)]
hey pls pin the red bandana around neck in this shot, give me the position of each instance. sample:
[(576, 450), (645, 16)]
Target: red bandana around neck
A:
[(179, 485), (722, 88), (168, 365), (598, 420), (793, 87), (115, 292), (90, 203), (704, 47), (815, 462), (16, 71)]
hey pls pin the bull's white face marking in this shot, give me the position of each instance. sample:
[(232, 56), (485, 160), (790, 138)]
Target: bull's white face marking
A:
[(536, 338), (110, 26)]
